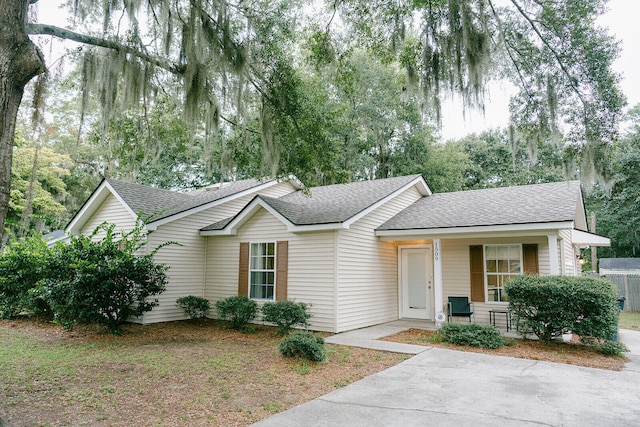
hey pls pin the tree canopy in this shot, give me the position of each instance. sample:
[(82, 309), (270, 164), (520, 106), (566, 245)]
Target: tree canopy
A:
[(178, 94)]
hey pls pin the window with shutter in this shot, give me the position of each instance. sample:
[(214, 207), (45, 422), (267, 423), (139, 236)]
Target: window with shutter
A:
[(491, 266), (262, 271)]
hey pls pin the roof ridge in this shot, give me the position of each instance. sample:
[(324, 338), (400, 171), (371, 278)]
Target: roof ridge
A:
[(511, 187)]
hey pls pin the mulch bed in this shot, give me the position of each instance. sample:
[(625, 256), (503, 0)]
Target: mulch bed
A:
[(572, 353)]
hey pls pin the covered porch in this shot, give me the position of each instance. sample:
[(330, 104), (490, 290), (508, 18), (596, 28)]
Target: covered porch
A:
[(433, 267)]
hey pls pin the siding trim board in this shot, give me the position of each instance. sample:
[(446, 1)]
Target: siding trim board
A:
[(484, 231)]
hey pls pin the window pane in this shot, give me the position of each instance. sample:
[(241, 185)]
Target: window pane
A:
[(270, 248), (502, 252), (514, 252), (514, 266), (491, 252), (492, 281), (268, 263), (268, 292), (502, 262)]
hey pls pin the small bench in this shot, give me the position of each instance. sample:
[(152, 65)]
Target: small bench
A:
[(507, 316)]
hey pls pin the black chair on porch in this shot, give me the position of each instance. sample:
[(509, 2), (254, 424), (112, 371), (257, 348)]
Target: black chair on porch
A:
[(460, 307)]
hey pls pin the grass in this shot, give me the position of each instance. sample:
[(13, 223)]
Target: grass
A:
[(629, 320), (178, 373)]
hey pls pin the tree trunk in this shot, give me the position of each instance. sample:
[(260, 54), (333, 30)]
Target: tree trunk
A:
[(20, 61)]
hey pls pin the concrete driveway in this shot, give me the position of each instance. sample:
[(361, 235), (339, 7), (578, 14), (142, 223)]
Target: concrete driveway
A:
[(440, 387)]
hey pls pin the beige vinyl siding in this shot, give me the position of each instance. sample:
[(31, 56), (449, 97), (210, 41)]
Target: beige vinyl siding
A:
[(455, 269), (368, 269), (187, 262), (311, 259), (111, 211), (567, 255)]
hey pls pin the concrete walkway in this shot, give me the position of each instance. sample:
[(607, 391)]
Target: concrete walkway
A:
[(444, 387), (369, 337)]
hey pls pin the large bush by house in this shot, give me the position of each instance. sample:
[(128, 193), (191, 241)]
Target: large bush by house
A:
[(547, 306), (21, 268), (103, 281)]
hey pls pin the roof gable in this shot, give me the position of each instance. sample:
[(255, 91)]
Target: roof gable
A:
[(326, 207), (162, 206), (527, 204)]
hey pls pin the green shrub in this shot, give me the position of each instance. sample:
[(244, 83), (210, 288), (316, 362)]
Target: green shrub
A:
[(238, 310), (612, 348), (547, 306), (21, 268), (193, 306), (471, 334), (286, 314), (102, 281), (304, 345)]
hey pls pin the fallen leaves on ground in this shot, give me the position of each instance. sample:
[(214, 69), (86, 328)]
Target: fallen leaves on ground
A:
[(172, 374)]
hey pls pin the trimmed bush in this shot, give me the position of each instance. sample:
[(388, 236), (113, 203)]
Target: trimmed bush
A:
[(612, 348), (471, 334), (193, 306), (547, 306), (238, 310), (286, 314), (304, 345), (21, 268)]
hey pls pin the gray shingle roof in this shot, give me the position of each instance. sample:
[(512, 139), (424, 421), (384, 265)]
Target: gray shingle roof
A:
[(539, 203), (329, 204), (620, 263), (336, 203), (150, 200)]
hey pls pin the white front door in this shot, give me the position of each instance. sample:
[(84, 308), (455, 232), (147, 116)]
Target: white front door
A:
[(416, 276)]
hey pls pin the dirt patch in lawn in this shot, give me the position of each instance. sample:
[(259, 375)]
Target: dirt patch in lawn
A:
[(572, 353), (170, 374)]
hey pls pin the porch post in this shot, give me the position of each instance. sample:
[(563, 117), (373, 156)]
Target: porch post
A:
[(437, 278), (553, 254)]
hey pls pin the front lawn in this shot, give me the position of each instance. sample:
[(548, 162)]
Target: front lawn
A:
[(629, 320), (169, 374)]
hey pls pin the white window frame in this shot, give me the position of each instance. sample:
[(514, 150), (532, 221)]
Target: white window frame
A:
[(262, 270), (500, 289)]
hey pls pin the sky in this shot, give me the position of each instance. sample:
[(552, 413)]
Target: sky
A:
[(621, 19)]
